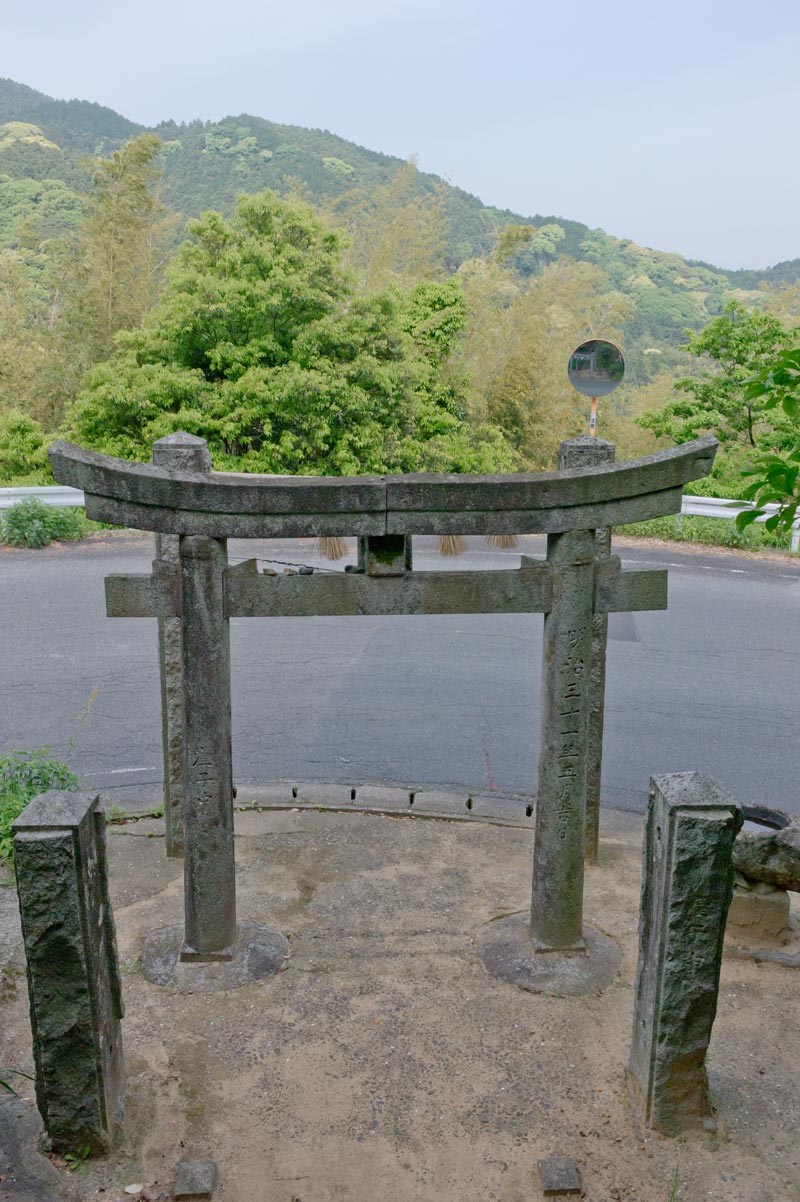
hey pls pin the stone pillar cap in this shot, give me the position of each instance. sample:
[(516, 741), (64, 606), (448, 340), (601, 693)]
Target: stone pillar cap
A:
[(180, 439)]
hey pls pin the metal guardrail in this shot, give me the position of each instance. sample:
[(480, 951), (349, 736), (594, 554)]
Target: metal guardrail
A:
[(54, 494), (707, 507), (718, 507)]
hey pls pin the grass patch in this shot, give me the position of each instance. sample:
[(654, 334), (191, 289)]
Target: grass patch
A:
[(117, 816), (24, 774), (31, 523), (709, 532)]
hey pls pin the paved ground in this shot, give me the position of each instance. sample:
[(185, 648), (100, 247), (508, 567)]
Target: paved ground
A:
[(384, 1063), (709, 685)]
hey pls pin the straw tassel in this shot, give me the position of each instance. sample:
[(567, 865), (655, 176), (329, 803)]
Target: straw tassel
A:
[(502, 542), (451, 545), (331, 548)]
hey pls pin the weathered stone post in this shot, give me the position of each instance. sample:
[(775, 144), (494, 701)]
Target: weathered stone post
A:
[(73, 974), (585, 451), (209, 869), (686, 890), (186, 453), (557, 898)]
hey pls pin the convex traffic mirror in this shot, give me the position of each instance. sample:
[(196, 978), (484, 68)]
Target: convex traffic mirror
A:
[(596, 367)]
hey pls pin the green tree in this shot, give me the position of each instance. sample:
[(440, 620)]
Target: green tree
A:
[(64, 299), (783, 301), (20, 356), (50, 204), (511, 241), (30, 366), (23, 453), (396, 232), (774, 477), (260, 345), (110, 275), (516, 350), (739, 343), (540, 249)]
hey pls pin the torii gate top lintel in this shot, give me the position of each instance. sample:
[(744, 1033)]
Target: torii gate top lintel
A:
[(227, 504)]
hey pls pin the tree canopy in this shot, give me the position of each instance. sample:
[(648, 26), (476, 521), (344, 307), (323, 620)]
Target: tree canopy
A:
[(738, 344), (260, 345), (774, 477)]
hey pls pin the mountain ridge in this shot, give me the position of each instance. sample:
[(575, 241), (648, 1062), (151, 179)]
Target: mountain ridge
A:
[(44, 144), (76, 121)]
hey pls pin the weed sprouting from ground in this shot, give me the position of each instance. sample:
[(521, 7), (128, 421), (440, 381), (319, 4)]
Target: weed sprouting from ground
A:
[(83, 718), (76, 1161), (12, 1072)]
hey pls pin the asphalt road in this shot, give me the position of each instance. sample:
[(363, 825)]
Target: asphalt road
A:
[(711, 685)]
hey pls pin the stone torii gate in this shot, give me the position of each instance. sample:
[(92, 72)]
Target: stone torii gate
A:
[(193, 511)]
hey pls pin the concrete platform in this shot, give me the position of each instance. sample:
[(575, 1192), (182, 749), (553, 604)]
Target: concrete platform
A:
[(384, 1062)]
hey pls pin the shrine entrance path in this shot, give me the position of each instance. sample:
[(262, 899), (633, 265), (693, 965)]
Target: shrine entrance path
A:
[(385, 1062), (415, 701)]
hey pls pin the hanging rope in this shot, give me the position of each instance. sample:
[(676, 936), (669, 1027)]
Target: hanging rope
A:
[(331, 547), (502, 542), (451, 545)]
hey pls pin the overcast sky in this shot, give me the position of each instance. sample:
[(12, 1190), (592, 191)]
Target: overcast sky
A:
[(674, 124)]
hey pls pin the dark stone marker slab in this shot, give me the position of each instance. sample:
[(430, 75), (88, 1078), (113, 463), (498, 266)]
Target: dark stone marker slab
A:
[(187, 453), (73, 973), (195, 1179), (686, 892), (582, 452), (559, 1176)]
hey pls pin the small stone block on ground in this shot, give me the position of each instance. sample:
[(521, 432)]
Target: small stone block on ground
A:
[(195, 1179), (560, 1177)]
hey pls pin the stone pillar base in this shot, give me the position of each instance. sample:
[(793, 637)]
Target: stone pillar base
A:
[(190, 955), (507, 952), (258, 952)]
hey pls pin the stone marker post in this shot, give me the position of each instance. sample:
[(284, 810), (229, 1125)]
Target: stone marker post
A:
[(686, 890), (557, 898), (585, 451), (73, 974), (209, 870), (186, 453)]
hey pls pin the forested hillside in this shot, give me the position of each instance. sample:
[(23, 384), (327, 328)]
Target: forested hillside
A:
[(208, 164), (93, 207)]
